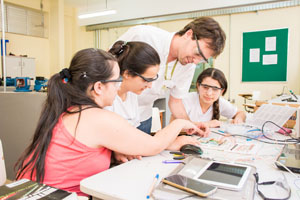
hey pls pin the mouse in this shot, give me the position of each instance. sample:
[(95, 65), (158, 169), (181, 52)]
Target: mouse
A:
[(191, 149)]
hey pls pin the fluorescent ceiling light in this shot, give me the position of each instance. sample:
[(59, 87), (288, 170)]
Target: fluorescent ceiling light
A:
[(97, 14)]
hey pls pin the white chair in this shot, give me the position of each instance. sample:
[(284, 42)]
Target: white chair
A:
[(2, 166), (156, 123)]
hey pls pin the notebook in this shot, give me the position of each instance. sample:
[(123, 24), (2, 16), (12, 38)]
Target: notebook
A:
[(26, 189)]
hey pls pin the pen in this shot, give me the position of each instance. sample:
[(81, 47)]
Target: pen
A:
[(233, 147), (152, 186), (292, 93), (172, 162)]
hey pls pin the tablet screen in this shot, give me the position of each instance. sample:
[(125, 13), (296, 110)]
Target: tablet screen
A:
[(223, 173)]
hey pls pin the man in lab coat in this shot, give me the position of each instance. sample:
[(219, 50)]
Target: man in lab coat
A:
[(179, 53)]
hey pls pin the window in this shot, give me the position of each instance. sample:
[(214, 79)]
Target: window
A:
[(24, 21)]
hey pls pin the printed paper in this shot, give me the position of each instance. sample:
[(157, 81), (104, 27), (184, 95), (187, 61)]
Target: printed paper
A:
[(270, 59), (270, 43), (254, 55)]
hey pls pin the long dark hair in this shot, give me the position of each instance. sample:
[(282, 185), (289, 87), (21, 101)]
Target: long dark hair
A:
[(219, 76), (134, 56), (65, 89)]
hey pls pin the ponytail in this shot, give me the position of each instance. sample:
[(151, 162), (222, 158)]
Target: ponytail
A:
[(216, 110), (65, 89)]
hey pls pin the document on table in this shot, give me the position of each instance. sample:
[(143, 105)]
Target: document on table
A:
[(267, 112)]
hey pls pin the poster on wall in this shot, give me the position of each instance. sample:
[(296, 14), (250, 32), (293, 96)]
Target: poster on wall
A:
[(264, 56)]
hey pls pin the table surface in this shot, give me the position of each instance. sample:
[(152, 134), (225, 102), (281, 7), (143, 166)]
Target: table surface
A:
[(282, 97), (132, 180)]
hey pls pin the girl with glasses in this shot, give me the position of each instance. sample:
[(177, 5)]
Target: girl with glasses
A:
[(75, 136), (207, 104), (139, 66)]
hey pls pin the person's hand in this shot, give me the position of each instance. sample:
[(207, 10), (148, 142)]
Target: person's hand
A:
[(182, 140), (122, 158), (214, 123), (199, 129), (237, 120), (203, 127)]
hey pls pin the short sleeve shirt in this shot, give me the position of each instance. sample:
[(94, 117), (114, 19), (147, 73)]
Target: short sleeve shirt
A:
[(182, 77), (128, 109), (193, 108)]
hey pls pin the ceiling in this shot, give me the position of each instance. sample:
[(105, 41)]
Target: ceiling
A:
[(138, 9), (83, 4)]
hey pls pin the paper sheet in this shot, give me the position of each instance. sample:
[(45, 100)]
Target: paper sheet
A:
[(268, 112), (254, 55), (270, 43), (270, 59)]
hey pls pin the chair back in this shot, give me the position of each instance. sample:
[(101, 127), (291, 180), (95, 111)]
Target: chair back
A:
[(156, 123), (2, 166)]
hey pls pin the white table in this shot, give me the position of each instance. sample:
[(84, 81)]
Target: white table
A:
[(133, 179), (130, 180), (282, 97)]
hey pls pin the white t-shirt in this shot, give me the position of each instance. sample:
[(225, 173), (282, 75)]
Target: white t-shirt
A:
[(192, 106), (182, 77), (128, 109)]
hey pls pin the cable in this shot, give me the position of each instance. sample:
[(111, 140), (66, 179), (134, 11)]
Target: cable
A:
[(287, 169), (233, 135), (262, 128), (295, 140), (297, 178)]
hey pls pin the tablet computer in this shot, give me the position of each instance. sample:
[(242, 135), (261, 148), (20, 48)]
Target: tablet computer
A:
[(224, 175)]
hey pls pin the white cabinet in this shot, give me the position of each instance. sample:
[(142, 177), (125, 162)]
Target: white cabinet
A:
[(20, 67)]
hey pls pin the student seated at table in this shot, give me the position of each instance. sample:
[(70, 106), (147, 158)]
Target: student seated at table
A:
[(139, 66), (207, 104), (74, 136)]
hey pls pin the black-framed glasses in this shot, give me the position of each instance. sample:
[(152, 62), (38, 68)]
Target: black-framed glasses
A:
[(199, 50), (283, 191), (144, 78), (207, 87)]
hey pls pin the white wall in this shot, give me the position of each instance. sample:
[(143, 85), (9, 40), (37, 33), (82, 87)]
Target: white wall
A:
[(262, 20), (64, 37), (230, 61)]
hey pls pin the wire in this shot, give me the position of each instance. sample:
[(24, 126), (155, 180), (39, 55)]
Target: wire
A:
[(287, 169), (233, 135), (295, 140), (275, 125)]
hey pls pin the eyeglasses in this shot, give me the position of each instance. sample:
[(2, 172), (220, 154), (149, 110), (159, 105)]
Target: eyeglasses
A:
[(207, 87), (144, 78), (279, 191), (199, 50), (116, 81)]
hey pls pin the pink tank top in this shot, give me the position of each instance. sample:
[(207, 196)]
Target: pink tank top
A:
[(68, 161)]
